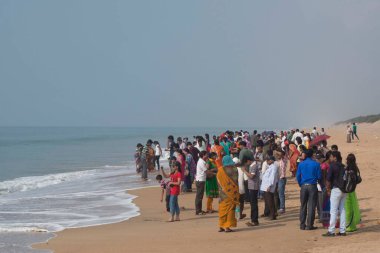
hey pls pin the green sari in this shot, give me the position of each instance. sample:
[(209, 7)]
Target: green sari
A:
[(212, 188), (352, 212)]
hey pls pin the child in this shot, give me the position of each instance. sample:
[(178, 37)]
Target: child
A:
[(164, 188)]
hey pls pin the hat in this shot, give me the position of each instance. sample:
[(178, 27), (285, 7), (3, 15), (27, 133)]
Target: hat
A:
[(227, 161), (236, 160)]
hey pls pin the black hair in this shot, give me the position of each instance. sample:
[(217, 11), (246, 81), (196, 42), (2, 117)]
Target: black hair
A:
[(189, 143), (216, 142), (334, 147), (254, 131), (309, 153), (202, 153), (243, 143), (156, 142), (213, 154), (159, 177), (260, 143), (298, 140), (178, 164), (149, 142), (337, 155), (139, 145), (351, 163), (170, 137)]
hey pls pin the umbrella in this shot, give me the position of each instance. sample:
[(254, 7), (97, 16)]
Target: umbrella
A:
[(319, 139)]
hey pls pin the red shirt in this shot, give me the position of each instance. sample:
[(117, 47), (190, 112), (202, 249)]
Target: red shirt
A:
[(175, 190)]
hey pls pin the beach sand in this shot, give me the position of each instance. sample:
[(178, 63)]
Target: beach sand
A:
[(150, 232)]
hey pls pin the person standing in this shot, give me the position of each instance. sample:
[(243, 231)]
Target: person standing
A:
[(348, 133), (308, 175), (268, 186), (354, 131), (175, 183), (352, 206), (212, 189), (253, 186), (229, 194), (158, 154), (337, 197), (282, 162), (200, 181)]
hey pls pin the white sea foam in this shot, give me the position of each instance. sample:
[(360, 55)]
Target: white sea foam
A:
[(31, 183)]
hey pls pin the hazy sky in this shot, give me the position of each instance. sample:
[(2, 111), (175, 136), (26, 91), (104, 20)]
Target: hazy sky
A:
[(188, 63)]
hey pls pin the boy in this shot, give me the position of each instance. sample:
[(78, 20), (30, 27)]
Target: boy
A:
[(164, 188)]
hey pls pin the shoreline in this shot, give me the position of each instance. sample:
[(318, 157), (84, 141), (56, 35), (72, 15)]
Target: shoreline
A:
[(126, 236)]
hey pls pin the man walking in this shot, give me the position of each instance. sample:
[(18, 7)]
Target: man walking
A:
[(308, 175), (354, 131)]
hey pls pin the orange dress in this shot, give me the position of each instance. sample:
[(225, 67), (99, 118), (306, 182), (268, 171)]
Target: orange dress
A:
[(219, 150)]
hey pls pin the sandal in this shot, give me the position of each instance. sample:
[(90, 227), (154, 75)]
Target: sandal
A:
[(221, 230), (228, 230)]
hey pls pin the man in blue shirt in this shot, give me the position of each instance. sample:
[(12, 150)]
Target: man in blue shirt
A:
[(308, 175)]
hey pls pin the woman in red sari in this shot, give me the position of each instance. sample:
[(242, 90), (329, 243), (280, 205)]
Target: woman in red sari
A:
[(293, 156)]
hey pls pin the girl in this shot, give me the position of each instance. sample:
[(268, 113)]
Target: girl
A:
[(175, 182), (352, 205)]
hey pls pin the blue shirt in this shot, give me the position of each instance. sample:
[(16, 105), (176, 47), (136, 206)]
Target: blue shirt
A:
[(308, 172)]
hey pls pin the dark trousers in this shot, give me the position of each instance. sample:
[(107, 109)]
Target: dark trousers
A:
[(167, 200), (352, 135), (157, 161), (254, 206), (241, 200), (199, 196), (269, 203), (188, 182), (276, 199), (309, 195), (246, 194)]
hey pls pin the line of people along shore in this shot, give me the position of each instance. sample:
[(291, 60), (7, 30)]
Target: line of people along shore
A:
[(239, 167)]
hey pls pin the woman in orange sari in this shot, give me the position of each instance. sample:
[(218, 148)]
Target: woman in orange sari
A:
[(219, 150), (229, 194), (293, 157)]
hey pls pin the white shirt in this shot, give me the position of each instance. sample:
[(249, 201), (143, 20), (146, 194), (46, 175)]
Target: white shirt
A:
[(201, 171), (182, 146), (158, 151), (270, 178), (264, 167), (295, 135), (241, 178), (200, 148)]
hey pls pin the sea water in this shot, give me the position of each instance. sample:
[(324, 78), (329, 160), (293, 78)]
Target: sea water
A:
[(52, 178)]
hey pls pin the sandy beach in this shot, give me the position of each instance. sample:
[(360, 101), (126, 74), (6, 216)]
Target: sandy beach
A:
[(149, 232)]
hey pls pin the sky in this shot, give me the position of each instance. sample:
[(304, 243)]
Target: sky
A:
[(188, 63)]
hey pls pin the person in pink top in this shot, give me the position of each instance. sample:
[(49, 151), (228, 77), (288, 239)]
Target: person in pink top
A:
[(175, 183)]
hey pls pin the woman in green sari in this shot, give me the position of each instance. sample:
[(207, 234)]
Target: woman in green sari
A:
[(352, 206), (212, 188)]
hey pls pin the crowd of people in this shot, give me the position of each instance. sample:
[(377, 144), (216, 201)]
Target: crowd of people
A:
[(239, 168)]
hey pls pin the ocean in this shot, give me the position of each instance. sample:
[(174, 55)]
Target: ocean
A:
[(53, 178)]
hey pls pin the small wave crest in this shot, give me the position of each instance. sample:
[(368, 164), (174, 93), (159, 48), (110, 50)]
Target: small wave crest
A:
[(30, 183)]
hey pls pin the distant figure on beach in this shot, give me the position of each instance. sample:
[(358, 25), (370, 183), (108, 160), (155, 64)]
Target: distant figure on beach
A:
[(323, 131), (268, 186), (354, 131), (170, 146), (348, 133), (200, 181), (150, 156), (175, 183), (158, 154), (138, 161), (229, 194)]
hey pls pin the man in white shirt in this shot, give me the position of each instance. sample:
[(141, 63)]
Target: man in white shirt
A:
[(268, 186), (241, 178), (297, 134), (200, 181)]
